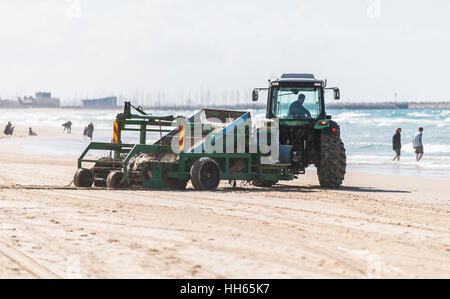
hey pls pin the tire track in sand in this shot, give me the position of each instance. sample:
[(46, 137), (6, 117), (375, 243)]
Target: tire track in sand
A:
[(26, 262)]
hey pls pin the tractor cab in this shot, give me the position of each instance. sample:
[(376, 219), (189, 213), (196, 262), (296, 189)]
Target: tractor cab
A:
[(296, 97)]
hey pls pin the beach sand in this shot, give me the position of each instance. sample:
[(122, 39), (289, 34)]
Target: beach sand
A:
[(375, 226)]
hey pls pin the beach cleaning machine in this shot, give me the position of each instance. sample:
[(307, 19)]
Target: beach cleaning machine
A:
[(222, 145)]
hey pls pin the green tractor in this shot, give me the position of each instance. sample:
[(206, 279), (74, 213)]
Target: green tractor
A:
[(306, 133)]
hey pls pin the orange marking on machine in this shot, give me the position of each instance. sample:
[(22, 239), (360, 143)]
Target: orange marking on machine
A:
[(116, 132), (182, 135)]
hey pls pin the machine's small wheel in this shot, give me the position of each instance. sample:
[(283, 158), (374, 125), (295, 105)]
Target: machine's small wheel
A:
[(205, 174), (84, 178), (265, 184), (114, 180)]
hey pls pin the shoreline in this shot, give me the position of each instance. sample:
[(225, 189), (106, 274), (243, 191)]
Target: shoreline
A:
[(73, 144)]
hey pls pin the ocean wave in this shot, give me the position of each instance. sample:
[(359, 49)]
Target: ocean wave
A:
[(350, 114), (445, 113), (367, 144), (363, 158), (393, 122), (439, 149), (431, 149), (426, 163), (420, 114)]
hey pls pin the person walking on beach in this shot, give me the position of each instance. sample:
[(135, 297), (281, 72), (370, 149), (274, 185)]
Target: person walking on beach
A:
[(85, 132), (68, 127), (397, 144), (418, 144), (9, 129), (90, 131)]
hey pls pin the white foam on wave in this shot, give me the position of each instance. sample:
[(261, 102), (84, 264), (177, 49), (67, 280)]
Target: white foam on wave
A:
[(389, 122), (445, 113), (367, 144), (420, 114), (353, 114), (406, 162), (430, 148)]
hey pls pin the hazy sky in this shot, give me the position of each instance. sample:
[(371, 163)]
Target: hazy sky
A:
[(370, 48)]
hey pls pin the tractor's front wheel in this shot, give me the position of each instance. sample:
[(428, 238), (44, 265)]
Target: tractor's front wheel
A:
[(205, 174), (333, 163)]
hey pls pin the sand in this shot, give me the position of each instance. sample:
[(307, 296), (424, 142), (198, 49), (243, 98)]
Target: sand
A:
[(375, 226)]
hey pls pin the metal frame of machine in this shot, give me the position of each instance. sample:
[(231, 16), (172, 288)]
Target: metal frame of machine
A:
[(158, 173)]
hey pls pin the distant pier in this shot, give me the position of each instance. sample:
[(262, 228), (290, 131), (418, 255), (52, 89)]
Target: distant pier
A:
[(390, 105)]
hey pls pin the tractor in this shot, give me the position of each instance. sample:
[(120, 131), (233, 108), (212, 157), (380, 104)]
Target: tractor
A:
[(306, 133)]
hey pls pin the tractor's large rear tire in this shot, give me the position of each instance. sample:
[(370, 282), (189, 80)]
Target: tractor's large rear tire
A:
[(333, 163), (264, 184), (205, 174), (84, 178)]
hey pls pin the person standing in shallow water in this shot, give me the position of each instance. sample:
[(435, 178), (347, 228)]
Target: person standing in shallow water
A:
[(90, 132), (397, 144), (418, 144)]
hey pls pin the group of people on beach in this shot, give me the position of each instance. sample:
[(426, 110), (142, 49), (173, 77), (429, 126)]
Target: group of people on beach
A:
[(88, 131), (417, 143), (9, 130)]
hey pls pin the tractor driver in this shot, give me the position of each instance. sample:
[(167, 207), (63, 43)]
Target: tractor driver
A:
[(297, 110)]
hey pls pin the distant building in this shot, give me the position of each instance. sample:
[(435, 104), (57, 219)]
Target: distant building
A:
[(98, 103), (10, 104), (40, 100), (43, 95)]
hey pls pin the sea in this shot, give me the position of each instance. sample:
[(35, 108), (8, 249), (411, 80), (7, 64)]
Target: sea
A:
[(367, 135)]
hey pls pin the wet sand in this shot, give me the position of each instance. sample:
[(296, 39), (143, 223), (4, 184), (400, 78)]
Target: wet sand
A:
[(375, 226)]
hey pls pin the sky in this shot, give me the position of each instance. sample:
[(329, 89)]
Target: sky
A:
[(371, 49)]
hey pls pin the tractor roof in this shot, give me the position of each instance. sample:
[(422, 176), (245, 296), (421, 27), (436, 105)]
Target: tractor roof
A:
[(304, 78)]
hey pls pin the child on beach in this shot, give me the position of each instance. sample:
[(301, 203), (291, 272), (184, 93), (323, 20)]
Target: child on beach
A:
[(418, 144), (31, 132), (397, 144)]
